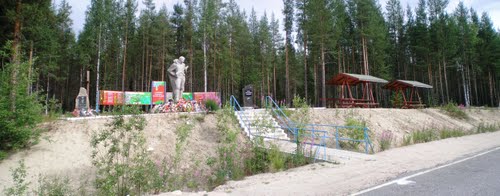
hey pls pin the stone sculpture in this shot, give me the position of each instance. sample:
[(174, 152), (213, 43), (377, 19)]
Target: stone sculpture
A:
[(177, 74)]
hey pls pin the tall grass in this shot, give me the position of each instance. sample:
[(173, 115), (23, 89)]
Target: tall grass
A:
[(385, 140), (454, 111), (448, 133), (484, 127)]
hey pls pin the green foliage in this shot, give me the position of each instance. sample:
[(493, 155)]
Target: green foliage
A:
[(454, 111), (423, 136), (200, 118), (124, 110), (385, 140), (447, 133), (54, 186), (258, 161), (54, 107), (277, 159), (229, 164), (397, 100), (122, 161), (18, 128), (354, 131), (3, 155), (484, 127), (20, 186), (407, 139), (182, 132), (211, 105)]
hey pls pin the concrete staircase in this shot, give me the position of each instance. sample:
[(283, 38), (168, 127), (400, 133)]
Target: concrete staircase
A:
[(259, 122)]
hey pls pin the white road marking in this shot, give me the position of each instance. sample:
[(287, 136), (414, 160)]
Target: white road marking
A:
[(405, 182), (422, 172)]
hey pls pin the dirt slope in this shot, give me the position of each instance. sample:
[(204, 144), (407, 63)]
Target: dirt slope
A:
[(65, 150), (404, 121)]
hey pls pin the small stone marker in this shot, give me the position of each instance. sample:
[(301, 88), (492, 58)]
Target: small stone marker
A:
[(82, 103), (248, 96)]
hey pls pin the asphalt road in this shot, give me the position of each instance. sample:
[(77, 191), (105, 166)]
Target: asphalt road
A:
[(476, 176)]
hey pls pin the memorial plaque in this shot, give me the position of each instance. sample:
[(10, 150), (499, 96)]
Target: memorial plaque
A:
[(248, 96), (82, 100)]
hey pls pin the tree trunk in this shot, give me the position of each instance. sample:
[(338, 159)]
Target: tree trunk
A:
[(323, 80), (205, 59), (441, 83), (191, 64), (30, 68), (15, 56), (446, 80), (274, 82), (144, 49), (315, 85), (492, 87), (124, 66), (287, 76), (305, 66)]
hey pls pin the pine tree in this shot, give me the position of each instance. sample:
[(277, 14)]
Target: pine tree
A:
[(288, 21)]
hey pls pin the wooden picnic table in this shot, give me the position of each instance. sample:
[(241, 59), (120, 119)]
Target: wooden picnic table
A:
[(351, 102)]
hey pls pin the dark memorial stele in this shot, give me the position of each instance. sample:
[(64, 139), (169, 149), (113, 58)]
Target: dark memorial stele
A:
[(248, 96)]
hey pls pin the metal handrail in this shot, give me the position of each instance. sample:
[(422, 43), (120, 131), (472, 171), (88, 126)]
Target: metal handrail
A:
[(290, 125), (277, 111), (233, 102), (366, 137)]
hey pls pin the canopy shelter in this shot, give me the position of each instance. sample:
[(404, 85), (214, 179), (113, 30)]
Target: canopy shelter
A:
[(401, 86), (346, 81)]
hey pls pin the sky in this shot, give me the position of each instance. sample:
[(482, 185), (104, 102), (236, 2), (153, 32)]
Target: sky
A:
[(492, 7)]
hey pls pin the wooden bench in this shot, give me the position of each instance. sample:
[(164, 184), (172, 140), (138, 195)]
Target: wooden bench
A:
[(367, 105), (410, 106)]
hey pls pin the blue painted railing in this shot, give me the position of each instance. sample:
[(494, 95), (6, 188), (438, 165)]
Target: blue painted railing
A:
[(280, 115), (312, 137), (233, 102), (366, 138), (291, 126)]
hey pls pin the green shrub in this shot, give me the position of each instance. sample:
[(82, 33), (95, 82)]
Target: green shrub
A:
[(484, 127), (121, 159), (407, 139), (211, 105), (276, 158), (354, 131), (229, 163), (454, 111), (258, 161), (446, 133), (20, 186), (54, 107), (53, 186), (126, 110), (18, 128), (385, 140), (397, 100), (423, 136), (3, 155)]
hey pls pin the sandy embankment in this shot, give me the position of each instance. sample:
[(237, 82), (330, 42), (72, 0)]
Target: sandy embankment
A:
[(67, 151)]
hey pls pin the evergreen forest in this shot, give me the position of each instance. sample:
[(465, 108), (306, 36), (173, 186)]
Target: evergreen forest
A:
[(226, 47)]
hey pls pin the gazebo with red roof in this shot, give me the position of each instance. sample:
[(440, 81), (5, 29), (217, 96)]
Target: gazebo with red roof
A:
[(346, 81), (401, 86)]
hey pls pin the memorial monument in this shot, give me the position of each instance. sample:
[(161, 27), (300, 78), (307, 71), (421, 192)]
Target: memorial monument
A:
[(176, 71), (82, 107), (248, 96)]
